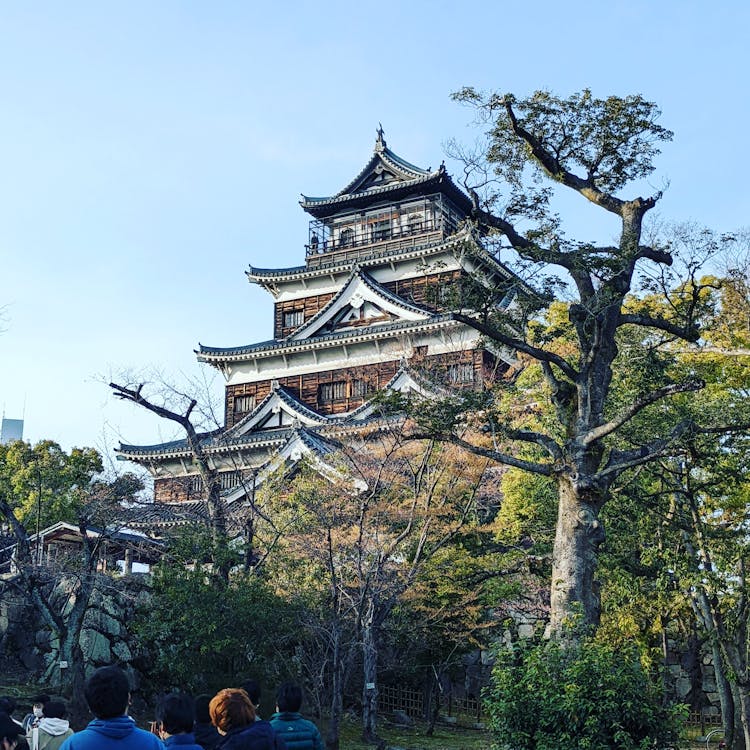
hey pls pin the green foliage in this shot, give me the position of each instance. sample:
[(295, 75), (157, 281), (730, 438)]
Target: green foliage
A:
[(586, 695), (199, 632), (46, 472)]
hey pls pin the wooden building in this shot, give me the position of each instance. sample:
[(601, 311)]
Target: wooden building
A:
[(373, 308)]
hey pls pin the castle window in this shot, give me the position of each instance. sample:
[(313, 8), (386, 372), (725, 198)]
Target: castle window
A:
[(229, 479), (328, 392), (414, 223), (196, 484), (294, 318), (463, 372), (243, 404), (381, 230), (360, 388)]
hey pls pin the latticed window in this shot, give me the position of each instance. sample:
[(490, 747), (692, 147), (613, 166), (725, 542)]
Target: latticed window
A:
[(335, 391), (294, 318), (229, 479), (243, 404), (463, 372), (196, 484), (360, 388)]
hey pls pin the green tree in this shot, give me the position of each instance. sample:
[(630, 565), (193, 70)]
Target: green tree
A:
[(70, 488), (594, 148), (201, 631), (43, 484)]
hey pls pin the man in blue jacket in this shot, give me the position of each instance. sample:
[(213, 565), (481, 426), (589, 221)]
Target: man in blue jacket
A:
[(108, 694), (298, 733)]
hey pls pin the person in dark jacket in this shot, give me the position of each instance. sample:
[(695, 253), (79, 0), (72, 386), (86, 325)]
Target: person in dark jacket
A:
[(252, 688), (298, 733), (233, 714), (9, 732), (175, 716), (204, 731)]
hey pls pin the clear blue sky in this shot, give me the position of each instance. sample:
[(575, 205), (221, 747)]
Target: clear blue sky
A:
[(150, 151)]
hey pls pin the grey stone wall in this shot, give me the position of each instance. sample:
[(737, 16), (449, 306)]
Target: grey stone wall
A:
[(28, 648)]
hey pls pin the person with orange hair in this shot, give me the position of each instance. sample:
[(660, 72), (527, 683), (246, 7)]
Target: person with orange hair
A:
[(233, 715)]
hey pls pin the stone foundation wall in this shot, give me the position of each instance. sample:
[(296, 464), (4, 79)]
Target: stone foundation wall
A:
[(28, 648)]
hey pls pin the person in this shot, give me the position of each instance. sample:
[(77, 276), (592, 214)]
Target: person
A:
[(107, 692), (205, 732), (53, 728), (252, 688), (8, 706), (233, 714), (9, 732), (298, 733), (175, 716), (37, 711)]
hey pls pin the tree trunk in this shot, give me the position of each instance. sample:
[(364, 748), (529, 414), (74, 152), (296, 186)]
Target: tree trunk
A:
[(574, 594), (370, 675), (337, 691), (726, 700)]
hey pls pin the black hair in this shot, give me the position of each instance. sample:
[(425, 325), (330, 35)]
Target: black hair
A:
[(289, 697), (107, 692), (9, 730), (202, 715), (7, 704), (252, 688), (55, 710), (176, 713), (40, 700)]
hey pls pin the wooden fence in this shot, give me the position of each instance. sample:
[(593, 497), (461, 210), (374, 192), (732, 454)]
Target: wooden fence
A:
[(413, 703)]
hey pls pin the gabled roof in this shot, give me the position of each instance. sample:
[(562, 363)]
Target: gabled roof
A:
[(406, 380), (279, 409), (384, 173), (360, 298)]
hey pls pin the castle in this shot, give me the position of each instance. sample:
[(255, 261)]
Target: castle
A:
[(373, 309)]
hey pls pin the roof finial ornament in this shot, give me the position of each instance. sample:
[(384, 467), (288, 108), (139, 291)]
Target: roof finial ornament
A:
[(380, 142)]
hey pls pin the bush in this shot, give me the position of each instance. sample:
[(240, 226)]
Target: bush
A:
[(584, 695)]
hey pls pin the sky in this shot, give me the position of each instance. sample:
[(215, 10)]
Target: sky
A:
[(151, 151)]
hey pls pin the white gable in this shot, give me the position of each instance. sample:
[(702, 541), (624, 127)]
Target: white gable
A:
[(361, 299)]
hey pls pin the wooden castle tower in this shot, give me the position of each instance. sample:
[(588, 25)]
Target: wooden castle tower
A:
[(373, 308)]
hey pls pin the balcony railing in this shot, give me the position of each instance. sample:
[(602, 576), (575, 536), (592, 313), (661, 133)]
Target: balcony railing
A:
[(395, 227)]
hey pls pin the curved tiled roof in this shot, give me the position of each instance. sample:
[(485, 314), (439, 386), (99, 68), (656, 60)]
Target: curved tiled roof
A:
[(235, 353), (277, 391)]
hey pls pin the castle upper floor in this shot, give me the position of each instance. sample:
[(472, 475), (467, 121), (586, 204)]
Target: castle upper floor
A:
[(390, 205)]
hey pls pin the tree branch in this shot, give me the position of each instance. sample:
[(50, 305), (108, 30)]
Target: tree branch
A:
[(503, 458), (638, 405), (516, 343), (687, 333)]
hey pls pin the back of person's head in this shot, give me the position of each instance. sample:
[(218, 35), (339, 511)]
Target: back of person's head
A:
[(9, 730), (252, 688), (55, 710), (176, 713), (202, 716), (231, 709), (107, 692), (289, 697), (7, 704)]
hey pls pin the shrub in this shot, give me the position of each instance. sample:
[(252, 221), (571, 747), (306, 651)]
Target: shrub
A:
[(582, 695)]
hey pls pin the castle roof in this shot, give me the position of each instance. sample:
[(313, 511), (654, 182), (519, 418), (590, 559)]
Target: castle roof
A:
[(386, 176), (274, 347)]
